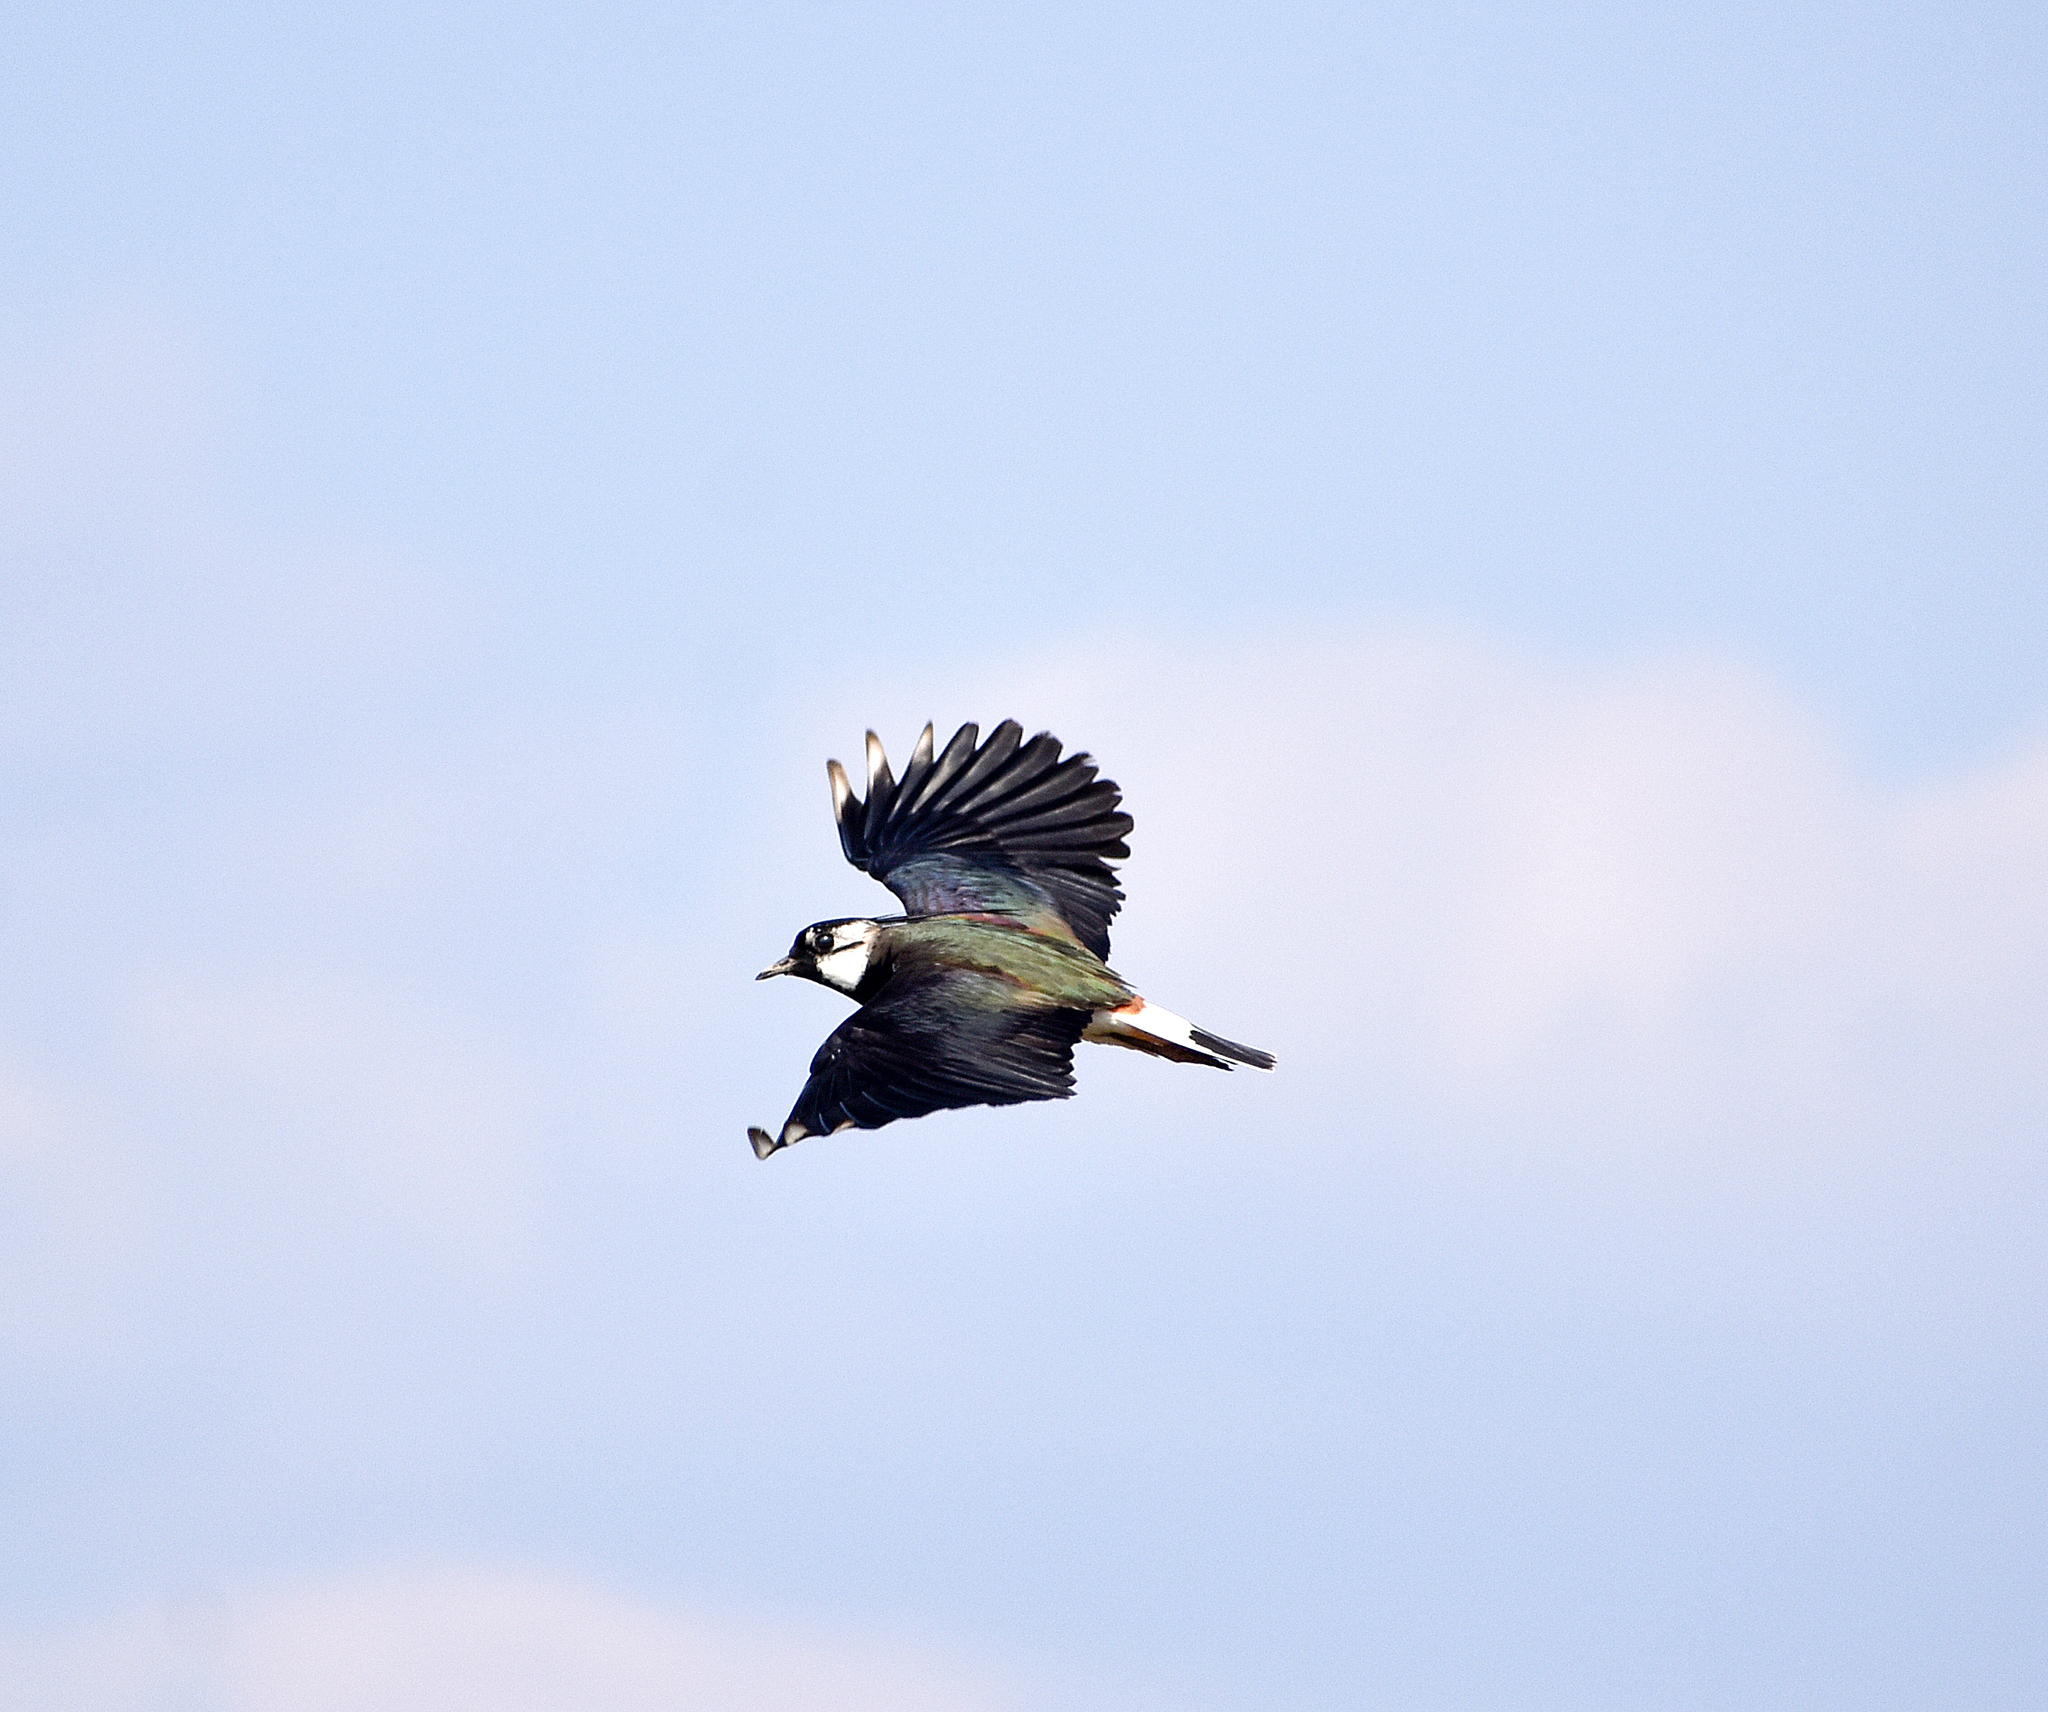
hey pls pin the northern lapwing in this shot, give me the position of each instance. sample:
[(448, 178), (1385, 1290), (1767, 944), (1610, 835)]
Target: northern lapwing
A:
[(1000, 855)]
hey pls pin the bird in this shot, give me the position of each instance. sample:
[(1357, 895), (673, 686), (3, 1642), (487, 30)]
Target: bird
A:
[(1000, 853)]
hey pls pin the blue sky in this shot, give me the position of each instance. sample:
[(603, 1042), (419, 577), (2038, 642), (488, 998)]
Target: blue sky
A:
[(1542, 516)]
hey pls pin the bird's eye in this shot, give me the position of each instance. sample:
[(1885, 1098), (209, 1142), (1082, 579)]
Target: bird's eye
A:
[(821, 939)]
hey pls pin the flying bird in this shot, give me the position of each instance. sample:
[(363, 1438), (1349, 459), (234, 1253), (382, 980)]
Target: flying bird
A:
[(999, 853)]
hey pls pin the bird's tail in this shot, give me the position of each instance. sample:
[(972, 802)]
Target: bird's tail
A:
[(1147, 1027)]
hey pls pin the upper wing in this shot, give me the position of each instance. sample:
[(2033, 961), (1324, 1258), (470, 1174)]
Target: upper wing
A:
[(1007, 826), (930, 1040)]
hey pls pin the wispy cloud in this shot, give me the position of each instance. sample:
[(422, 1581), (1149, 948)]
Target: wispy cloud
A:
[(424, 1641), (1425, 845)]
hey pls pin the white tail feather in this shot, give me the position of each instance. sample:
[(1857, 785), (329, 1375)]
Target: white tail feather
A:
[(1146, 1027), (1143, 1019)]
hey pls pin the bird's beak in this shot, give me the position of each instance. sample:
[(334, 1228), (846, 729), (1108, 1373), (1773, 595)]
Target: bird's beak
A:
[(781, 966)]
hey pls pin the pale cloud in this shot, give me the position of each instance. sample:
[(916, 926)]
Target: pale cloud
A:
[(1636, 836), (430, 1640), (1967, 861), (1420, 846)]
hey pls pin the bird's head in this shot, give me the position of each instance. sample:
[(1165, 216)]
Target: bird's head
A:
[(835, 954)]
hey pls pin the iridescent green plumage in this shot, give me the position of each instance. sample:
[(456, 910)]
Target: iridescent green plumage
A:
[(1037, 966)]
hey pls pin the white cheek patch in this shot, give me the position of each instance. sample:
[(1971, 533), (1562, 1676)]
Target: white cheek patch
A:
[(844, 968)]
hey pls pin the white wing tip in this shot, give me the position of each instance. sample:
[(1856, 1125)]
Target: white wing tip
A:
[(765, 1144)]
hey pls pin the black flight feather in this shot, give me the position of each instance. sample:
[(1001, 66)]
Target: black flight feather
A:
[(936, 1039), (1007, 825)]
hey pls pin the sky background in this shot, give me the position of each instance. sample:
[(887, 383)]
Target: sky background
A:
[(1543, 515)]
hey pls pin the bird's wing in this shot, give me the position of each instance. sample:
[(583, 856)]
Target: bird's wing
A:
[(1007, 826), (930, 1040)]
